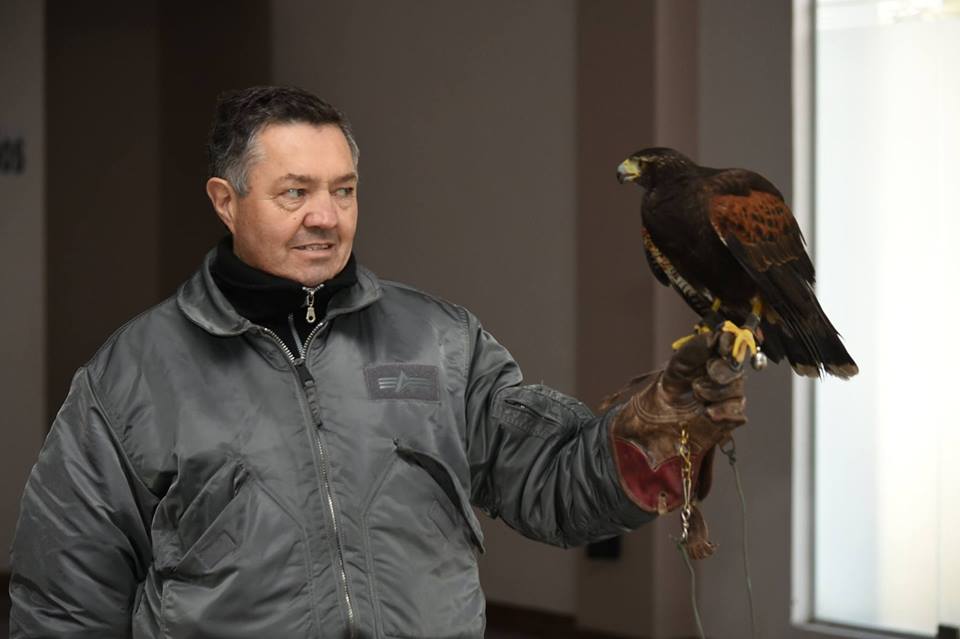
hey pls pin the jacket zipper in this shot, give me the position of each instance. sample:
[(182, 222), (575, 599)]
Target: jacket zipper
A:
[(296, 336), (311, 311), (303, 375)]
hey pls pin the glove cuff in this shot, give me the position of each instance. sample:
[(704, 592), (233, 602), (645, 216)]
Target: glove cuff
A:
[(659, 488)]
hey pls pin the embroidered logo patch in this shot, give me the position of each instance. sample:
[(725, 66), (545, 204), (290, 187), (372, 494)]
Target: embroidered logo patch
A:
[(402, 381)]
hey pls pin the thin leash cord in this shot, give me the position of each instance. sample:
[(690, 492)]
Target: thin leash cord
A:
[(693, 588), (731, 453)]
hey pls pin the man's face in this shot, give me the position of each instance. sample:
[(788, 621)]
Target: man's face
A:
[(299, 216)]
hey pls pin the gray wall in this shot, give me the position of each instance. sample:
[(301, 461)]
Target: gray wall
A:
[(131, 88), (103, 196), (22, 257), (745, 105), (745, 116), (619, 78)]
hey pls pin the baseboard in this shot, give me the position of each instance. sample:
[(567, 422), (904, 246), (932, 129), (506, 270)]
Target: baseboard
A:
[(539, 623)]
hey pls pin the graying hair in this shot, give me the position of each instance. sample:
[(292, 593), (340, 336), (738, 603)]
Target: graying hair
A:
[(233, 146)]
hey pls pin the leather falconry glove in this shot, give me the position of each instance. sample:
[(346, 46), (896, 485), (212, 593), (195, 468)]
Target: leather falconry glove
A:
[(699, 390)]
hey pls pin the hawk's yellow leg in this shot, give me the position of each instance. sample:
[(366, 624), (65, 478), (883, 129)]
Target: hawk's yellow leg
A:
[(698, 329), (744, 339)]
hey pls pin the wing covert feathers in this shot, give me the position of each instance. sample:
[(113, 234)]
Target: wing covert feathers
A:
[(764, 227), (762, 234)]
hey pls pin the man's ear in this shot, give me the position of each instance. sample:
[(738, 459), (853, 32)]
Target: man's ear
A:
[(224, 200)]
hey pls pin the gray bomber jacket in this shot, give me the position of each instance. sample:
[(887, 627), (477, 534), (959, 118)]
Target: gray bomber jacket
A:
[(202, 481)]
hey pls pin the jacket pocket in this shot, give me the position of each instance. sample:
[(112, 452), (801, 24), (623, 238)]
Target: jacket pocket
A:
[(421, 535), (184, 517), (538, 411), (245, 575), (450, 485), (205, 528)]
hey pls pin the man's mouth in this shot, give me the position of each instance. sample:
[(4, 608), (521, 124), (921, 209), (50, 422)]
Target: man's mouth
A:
[(315, 246)]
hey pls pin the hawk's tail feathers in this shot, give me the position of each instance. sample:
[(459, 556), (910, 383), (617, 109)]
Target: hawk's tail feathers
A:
[(804, 334)]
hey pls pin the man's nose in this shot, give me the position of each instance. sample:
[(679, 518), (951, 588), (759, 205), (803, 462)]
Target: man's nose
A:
[(321, 211)]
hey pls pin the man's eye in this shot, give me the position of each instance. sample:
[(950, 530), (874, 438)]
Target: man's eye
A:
[(344, 191), (294, 194)]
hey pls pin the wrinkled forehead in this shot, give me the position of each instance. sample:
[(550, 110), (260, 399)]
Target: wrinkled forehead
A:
[(319, 151)]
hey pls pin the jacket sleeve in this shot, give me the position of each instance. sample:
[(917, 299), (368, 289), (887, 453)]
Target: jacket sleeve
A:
[(540, 460), (82, 544)]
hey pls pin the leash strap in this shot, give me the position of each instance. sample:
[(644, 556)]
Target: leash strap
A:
[(693, 588), (731, 452)]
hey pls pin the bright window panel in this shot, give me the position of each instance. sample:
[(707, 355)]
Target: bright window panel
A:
[(887, 238)]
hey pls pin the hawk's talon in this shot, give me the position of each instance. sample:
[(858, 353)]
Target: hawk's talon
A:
[(743, 341), (698, 329)]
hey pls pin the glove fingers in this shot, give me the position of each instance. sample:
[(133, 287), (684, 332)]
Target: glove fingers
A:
[(708, 390), (728, 413), (721, 372), (725, 345), (688, 362)]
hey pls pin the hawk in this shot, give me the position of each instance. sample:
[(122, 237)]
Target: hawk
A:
[(727, 242)]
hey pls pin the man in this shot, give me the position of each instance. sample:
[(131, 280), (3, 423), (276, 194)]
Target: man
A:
[(290, 447)]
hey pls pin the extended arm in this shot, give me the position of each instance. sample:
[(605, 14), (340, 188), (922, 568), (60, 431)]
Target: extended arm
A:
[(558, 473), (540, 460)]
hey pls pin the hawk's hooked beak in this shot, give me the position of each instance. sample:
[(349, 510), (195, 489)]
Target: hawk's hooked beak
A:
[(628, 171)]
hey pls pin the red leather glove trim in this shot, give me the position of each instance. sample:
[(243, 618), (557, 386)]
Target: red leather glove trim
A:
[(659, 490)]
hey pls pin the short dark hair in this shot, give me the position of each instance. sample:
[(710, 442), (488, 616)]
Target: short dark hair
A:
[(242, 114)]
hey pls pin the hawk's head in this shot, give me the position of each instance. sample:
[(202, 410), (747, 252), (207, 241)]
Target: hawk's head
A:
[(646, 167)]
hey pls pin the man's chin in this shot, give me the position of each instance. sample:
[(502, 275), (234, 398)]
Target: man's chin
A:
[(315, 277), (318, 271)]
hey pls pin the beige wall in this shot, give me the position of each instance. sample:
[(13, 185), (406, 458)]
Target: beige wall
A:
[(22, 257)]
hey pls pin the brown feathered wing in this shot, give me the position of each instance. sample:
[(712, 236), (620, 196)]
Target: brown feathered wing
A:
[(754, 222)]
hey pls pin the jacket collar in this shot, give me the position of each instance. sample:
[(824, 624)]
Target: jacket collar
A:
[(205, 305)]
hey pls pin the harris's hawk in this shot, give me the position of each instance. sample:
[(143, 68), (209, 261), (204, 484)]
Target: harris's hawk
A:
[(728, 243)]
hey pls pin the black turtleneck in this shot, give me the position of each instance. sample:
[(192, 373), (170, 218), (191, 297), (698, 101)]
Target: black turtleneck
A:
[(275, 302)]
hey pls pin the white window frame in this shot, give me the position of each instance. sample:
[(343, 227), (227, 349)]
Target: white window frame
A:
[(803, 389)]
